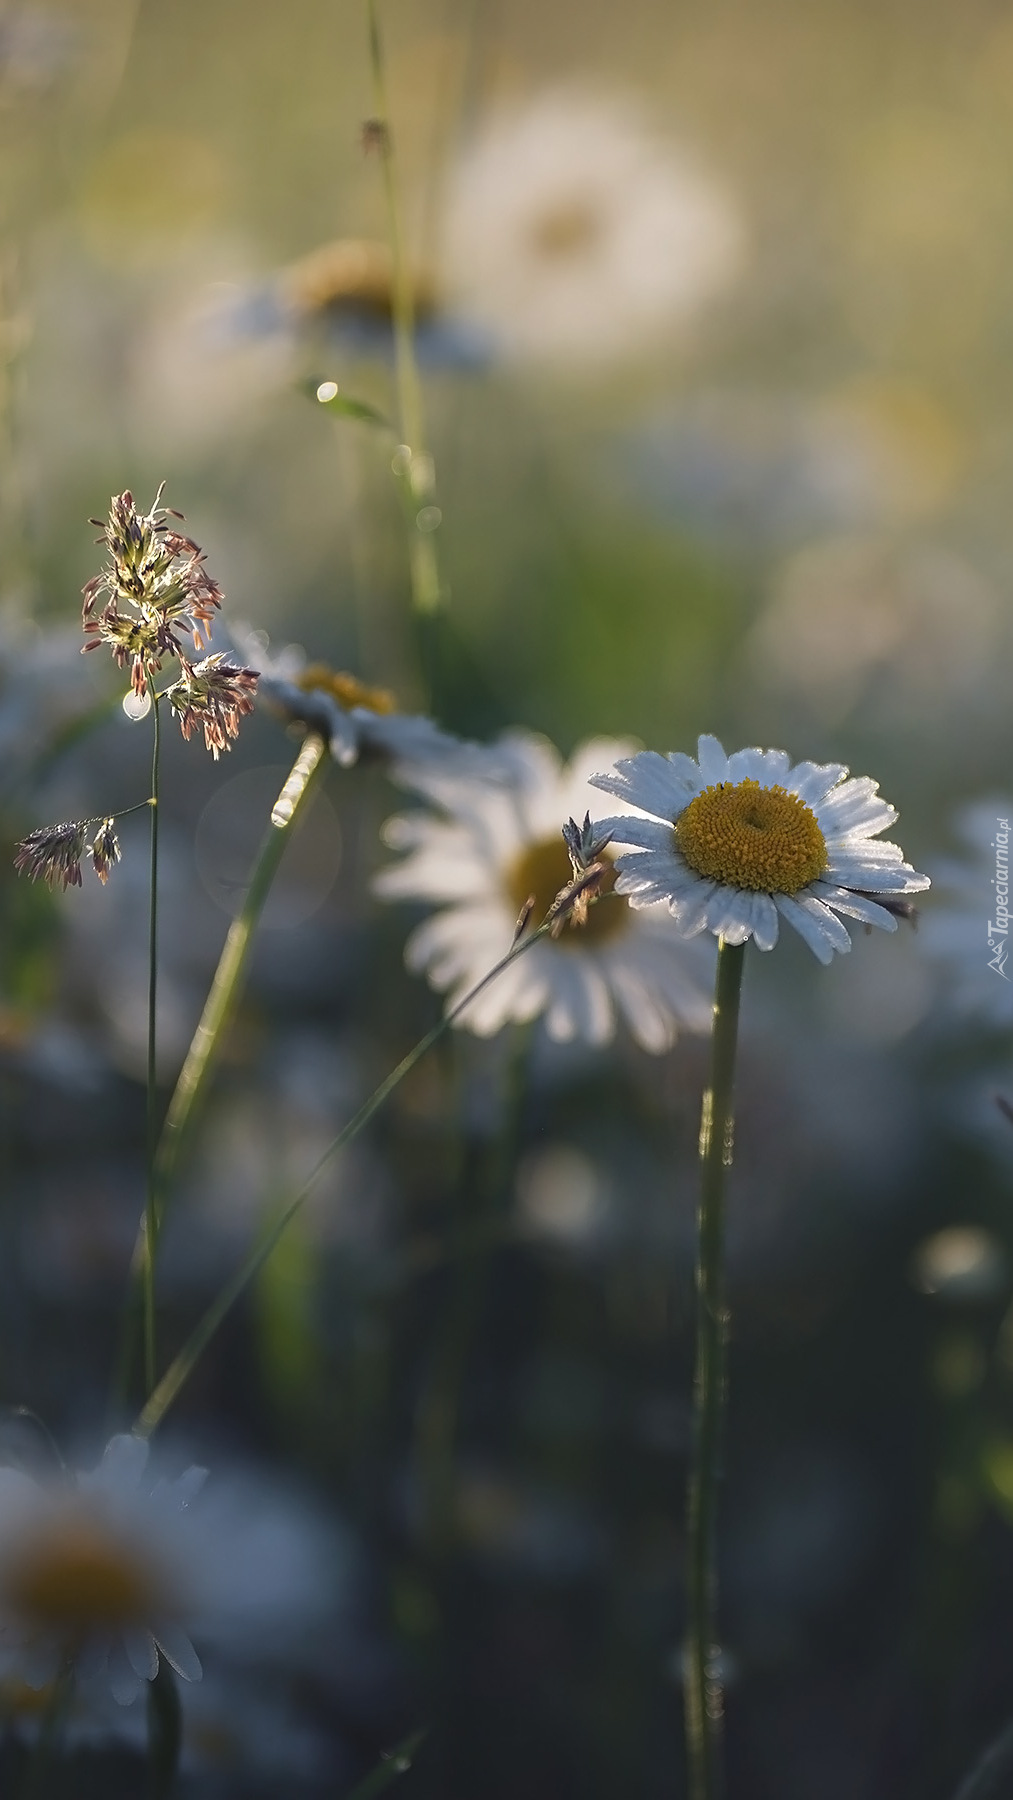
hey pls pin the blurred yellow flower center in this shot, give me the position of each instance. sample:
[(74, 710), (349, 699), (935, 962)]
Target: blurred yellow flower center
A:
[(748, 836), (542, 869), (347, 690), (566, 230), (75, 1578)]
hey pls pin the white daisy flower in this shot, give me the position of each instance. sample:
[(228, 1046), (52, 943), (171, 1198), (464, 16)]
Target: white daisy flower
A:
[(735, 841), (499, 841), (571, 234), (968, 935), (98, 1568), (355, 719), (116, 1568)]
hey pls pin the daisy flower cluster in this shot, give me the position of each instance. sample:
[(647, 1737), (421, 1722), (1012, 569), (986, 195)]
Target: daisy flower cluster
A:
[(489, 844)]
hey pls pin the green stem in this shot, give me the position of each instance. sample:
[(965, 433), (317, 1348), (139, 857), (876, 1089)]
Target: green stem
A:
[(417, 475), (158, 1402), (40, 1763), (150, 1205), (704, 1699), (223, 996), (219, 1010)]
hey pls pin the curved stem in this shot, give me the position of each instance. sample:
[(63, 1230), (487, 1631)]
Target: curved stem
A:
[(223, 995), (219, 1010), (704, 1699), (150, 1206), (158, 1403)]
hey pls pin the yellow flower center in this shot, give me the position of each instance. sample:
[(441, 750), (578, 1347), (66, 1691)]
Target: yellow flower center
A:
[(748, 836), (75, 1578), (542, 869), (569, 229), (347, 690)]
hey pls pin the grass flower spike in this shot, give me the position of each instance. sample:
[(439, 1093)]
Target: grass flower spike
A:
[(738, 842), (53, 853), (158, 575), (213, 694), (500, 841)]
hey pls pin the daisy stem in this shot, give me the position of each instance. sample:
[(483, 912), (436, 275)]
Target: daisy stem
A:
[(416, 479), (219, 1009), (158, 1402), (703, 1694), (150, 1205), (51, 1726)]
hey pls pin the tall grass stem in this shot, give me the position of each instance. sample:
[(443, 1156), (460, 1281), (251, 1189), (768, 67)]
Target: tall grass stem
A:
[(219, 1010), (415, 472), (150, 1206), (704, 1698)]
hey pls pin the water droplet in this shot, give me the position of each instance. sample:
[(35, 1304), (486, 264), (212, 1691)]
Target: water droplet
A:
[(327, 391), (428, 518), (136, 706)]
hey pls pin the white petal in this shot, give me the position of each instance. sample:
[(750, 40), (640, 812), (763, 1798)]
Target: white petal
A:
[(141, 1654), (124, 1681), (854, 906), (763, 919), (647, 781), (691, 910), (713, 761), (811, 781), (764, 766), (626, 828), (816, 924), (124, 1460), (178, 1650), (728, 915)]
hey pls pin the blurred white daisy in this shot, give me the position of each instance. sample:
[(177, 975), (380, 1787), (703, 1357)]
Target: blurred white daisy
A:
[(116, 1568), (97, 1568), (496, 840), (735, 841), (570, 233), (355, 718), (968, 934)]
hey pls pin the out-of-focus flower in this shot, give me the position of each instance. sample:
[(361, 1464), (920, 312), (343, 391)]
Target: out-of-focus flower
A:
[(357, 720), (962, 1265), (213, 694), (735, 841), (98, 1569), (967, 934), (499, 842), (573, 235), (858, 620), (36, 47), (758, 468), (116, 1568), (230, 1724)]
